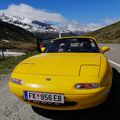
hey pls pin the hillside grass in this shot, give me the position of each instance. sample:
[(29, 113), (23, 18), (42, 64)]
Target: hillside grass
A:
[(8, 64), (108, 34)]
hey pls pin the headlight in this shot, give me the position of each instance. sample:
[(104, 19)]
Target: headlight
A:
[(17, 81), (86, 85)]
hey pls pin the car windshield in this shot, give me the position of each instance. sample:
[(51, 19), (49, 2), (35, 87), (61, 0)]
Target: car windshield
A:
[(72, 45)]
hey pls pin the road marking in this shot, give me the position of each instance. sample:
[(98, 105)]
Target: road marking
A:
[(118, 65)]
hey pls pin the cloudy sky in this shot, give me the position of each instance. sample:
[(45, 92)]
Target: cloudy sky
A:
[(72, 14)]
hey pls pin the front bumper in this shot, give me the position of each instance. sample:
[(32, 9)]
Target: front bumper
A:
[(72, 102)]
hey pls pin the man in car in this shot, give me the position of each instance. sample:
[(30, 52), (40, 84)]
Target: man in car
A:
[(62, 47)]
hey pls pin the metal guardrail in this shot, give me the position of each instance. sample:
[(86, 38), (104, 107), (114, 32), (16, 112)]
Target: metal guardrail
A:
[(4, 54)]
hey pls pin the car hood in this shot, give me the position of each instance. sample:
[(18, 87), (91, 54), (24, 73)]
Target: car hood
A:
[(58, 63)]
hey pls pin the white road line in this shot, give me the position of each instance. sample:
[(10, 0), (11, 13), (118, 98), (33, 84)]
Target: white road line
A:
[(118, 65)]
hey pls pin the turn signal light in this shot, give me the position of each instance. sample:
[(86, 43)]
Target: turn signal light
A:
[(17, 81), (86, 85)]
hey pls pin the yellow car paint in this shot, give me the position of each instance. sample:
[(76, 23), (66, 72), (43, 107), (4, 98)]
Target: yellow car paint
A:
[(64, 70)]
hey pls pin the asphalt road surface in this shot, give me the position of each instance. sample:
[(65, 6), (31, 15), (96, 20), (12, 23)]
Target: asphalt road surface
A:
[(13, 109)]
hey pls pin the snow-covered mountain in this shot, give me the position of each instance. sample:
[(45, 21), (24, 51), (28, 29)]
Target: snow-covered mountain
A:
[(32, 25)]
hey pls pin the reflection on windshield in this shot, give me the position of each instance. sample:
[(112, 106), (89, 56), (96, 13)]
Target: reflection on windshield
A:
[(72, 45)]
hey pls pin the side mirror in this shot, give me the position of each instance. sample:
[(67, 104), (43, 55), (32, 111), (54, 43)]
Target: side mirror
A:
[(105, 49), (42, 49)]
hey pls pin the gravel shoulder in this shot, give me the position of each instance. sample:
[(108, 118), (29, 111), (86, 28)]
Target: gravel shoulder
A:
[(11, 108)]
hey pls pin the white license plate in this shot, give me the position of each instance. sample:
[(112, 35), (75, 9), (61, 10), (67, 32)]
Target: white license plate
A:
[(44, 97)]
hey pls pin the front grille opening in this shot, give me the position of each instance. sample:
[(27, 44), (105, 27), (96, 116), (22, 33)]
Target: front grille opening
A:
[(67, 103)]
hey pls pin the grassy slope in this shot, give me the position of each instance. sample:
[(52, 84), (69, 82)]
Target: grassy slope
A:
[(108, 34)]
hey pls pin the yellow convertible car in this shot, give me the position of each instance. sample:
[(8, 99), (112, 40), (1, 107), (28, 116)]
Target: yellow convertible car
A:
[(71, 73)]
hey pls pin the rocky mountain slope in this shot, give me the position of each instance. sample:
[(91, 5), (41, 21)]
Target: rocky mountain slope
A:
[(32, 25)]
